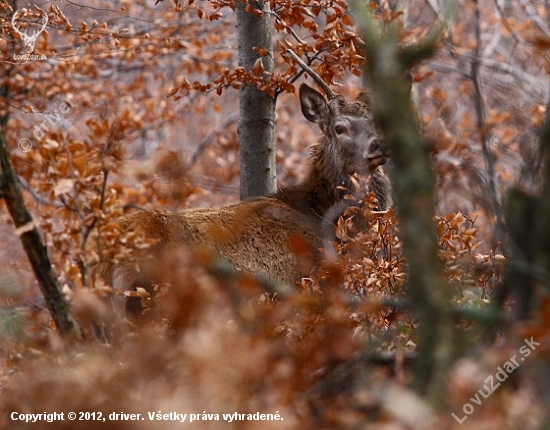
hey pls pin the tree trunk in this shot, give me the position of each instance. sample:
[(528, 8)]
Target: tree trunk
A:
[(257, 108), (528, 222), (32, 243), (413, 181)]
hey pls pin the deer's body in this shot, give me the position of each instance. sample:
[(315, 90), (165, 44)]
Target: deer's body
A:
[(277, 236), (255, 236)]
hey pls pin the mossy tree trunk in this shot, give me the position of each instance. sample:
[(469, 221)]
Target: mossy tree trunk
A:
[(414, 186)]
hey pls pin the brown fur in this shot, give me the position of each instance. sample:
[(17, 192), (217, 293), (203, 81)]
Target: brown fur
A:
[(277, 236)]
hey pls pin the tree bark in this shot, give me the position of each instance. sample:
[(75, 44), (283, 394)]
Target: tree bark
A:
[(32, 243), (257, 108)]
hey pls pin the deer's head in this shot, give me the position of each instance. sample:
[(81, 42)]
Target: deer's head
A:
[(348, 127)]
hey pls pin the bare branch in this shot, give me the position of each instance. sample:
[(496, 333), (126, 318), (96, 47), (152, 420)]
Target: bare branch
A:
[(38, 197)]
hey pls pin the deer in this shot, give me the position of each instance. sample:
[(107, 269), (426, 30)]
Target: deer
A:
[(278, 236)]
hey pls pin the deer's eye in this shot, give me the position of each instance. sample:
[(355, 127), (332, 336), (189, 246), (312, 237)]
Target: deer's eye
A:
[(339, 129)]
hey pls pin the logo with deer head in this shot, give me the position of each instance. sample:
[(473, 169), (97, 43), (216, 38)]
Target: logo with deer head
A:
[(29, 40)]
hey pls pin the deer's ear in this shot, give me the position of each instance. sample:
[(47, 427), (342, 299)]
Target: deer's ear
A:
[(314, 105), (365, 97)]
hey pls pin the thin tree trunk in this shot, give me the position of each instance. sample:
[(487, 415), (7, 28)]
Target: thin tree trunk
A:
[(257, 108), (32, 243)]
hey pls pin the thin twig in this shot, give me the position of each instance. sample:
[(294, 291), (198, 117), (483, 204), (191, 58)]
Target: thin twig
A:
[(83, 264), (38, 197), (485, 135), (231, 119), (286, 26)]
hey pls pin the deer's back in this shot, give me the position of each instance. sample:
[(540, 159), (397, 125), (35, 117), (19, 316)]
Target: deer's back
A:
[(262, 236)]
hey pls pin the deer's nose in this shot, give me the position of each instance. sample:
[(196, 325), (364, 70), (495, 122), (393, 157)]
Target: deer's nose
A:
[(379, 146)]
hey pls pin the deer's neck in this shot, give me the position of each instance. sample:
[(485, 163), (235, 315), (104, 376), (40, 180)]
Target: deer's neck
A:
[(325, 185), (381, 186)]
